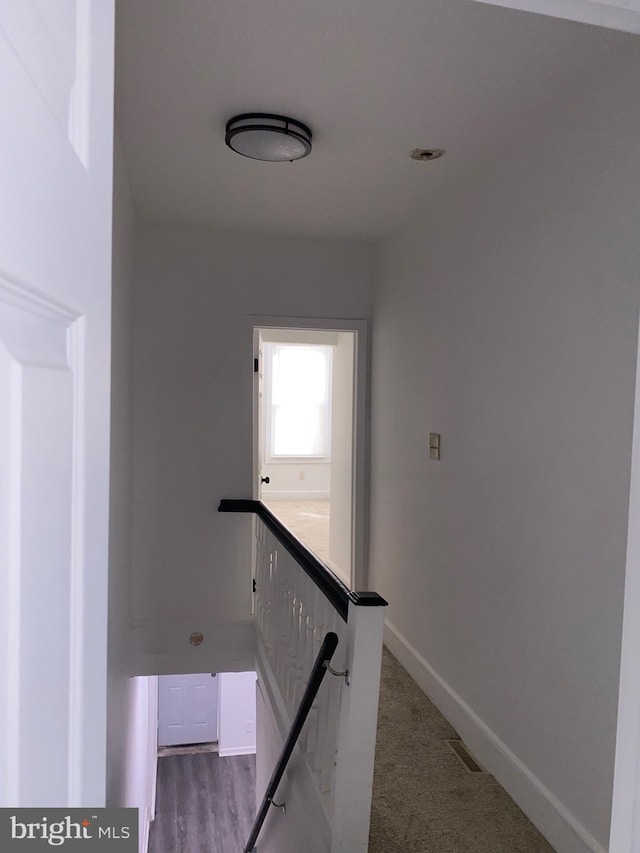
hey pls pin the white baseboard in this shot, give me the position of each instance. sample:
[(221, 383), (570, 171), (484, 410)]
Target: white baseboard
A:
[(297, 495), (563, 831), (236, 750)]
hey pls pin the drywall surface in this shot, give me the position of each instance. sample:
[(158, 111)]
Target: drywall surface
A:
[(505, 319), (132, 703), (141, 754), (625, 829), (342, 422), (195, 293), (303, 825), (297, 481), (121, 478), (237, 720)]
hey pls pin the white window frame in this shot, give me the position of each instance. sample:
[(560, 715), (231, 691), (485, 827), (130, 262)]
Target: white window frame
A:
[(270, 457)]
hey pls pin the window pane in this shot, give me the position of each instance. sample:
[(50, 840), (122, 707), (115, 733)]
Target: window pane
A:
[(300, 396), (298, 430), (299, 375)]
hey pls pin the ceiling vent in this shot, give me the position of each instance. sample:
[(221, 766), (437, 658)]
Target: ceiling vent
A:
[(424, 154), (464, 756)]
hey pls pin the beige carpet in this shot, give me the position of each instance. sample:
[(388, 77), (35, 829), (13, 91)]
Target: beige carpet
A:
[(308, 520), (424, 800)]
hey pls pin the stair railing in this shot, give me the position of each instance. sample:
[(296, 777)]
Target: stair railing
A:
[(318, 672), (298, 603)]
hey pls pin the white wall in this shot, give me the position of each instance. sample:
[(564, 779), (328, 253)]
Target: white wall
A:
[(237, 719), (302, 481), (505, 318), (132, 703), (625, 828), (303, 826), (193, 381), (141, 753), (340, 539), (121, 479)]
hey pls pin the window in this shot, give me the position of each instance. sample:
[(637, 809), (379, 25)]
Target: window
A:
[(298, 400)]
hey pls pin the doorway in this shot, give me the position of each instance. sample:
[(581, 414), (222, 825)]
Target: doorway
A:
[(206, 769), (207, 712), (309, 435), (187, 709)]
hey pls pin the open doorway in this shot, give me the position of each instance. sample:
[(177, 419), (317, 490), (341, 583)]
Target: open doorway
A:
[(206, 769), (306, 415)]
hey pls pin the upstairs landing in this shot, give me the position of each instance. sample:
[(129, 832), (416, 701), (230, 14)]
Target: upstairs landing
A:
[(424, 799)]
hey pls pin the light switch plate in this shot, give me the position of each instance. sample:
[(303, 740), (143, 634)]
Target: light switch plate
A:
[(434, 445)]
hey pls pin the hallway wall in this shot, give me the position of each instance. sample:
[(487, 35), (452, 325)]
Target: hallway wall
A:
[(505, 318), (120, 688), (195, 292)]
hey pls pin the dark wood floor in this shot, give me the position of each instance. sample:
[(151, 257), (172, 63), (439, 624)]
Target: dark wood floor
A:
[(204, 804)]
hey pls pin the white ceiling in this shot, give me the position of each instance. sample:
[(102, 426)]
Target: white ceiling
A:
[(372, 78)]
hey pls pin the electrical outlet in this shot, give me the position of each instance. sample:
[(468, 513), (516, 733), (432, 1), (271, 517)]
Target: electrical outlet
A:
[(250, 727), (301, 475)]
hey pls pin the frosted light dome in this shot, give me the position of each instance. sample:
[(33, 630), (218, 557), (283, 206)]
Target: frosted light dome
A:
[(264, 136)]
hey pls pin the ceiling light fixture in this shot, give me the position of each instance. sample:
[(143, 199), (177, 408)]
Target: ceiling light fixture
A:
[(264, 136)]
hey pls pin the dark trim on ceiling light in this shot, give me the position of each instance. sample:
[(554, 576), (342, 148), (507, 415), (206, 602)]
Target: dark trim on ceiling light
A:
[(268, 123)]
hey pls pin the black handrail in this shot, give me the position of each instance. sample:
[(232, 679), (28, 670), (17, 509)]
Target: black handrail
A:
[(318, 672), (330, 584)]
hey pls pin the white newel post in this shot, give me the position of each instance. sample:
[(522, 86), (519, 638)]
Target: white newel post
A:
[(358, 725)]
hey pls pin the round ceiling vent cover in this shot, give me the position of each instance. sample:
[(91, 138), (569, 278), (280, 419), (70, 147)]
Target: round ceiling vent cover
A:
[(426, 154)]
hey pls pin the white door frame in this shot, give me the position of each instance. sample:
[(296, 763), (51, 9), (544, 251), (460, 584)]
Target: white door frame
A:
[(625, 817), (360, 500)]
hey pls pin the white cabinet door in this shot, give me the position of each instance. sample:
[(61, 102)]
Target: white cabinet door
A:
[(187, 709), (56, 132)]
